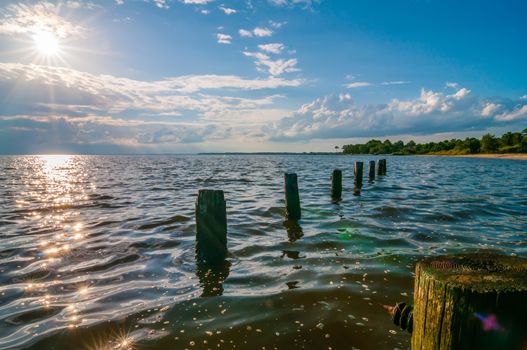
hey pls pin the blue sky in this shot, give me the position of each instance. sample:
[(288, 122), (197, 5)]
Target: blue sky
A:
[(154, 76)]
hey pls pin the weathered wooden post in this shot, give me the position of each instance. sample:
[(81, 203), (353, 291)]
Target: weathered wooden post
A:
[(336, 184), (371, 170), (292, 198), (358, 173), (381, 167), (470, 302), (211, 226)]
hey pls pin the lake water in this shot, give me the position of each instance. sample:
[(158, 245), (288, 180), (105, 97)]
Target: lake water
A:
[(99, 251)]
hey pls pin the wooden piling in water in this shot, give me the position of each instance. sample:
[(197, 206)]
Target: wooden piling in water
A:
[(358, 173), (211, 226), (371, 170), (470, 302), (336, 184), (292, 198), (381, 167)]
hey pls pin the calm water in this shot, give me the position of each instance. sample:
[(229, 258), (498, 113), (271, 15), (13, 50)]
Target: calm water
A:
[(98, 251)]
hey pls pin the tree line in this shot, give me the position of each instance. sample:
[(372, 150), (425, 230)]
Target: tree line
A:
[(510, 142)]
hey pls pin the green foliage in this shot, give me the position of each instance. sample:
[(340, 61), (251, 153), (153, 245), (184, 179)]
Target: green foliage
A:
[(510, 142)]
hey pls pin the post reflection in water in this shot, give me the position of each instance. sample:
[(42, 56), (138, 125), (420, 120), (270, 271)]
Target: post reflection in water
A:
[(294, 230), (211, 277)]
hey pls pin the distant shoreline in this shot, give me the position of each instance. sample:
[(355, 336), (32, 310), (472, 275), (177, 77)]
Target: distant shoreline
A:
[(516, 156)]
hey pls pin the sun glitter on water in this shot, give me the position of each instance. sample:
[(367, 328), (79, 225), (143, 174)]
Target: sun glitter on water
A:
[(46, 43)]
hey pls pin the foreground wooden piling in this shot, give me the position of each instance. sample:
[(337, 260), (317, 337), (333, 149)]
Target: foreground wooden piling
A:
[(358, 173), (292, 198), (371, 170), (470, 302), (336, 184), (211, 226)]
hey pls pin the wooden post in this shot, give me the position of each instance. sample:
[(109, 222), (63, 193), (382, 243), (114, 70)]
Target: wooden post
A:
[(371, 170), (336, 184), (211, 226), (470, 302), (358, 173), (292, 198), (381, 167)]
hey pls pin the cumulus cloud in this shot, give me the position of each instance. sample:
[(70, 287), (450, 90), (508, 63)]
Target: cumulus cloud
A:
[(20, 19), (223, 38), (275, 48), (337, 116)]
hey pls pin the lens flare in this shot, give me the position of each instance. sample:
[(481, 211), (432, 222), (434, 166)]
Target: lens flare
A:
[(46, 43)]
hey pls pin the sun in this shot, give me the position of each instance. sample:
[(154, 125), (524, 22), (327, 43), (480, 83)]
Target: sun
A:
[(46, 43)]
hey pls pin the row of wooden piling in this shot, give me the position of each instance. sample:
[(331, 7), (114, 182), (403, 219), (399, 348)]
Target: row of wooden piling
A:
[(461, 302), (211, 212)]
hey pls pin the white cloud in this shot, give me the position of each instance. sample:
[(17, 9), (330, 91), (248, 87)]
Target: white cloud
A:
[(223, 38), (274, 67), (524, 97), (277, 25), (262, 32), (76, 4), (161, 4), (490, 109), (451, 85), (357, 84), (227, 11), (197, 2), (258, 32), (396, 82), (275, 48), (520, 112), (244, 33), (337, 116), (116, 94), (20, 19), (291, 3)]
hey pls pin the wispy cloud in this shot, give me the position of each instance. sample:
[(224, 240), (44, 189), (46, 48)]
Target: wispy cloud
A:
[(274, 67), (116, 94), (17, 19), (291, 3), (359, 84), (197, 2), (227, 11)]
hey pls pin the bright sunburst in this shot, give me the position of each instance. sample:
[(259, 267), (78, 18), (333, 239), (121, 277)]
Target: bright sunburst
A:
[(46, 43)]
